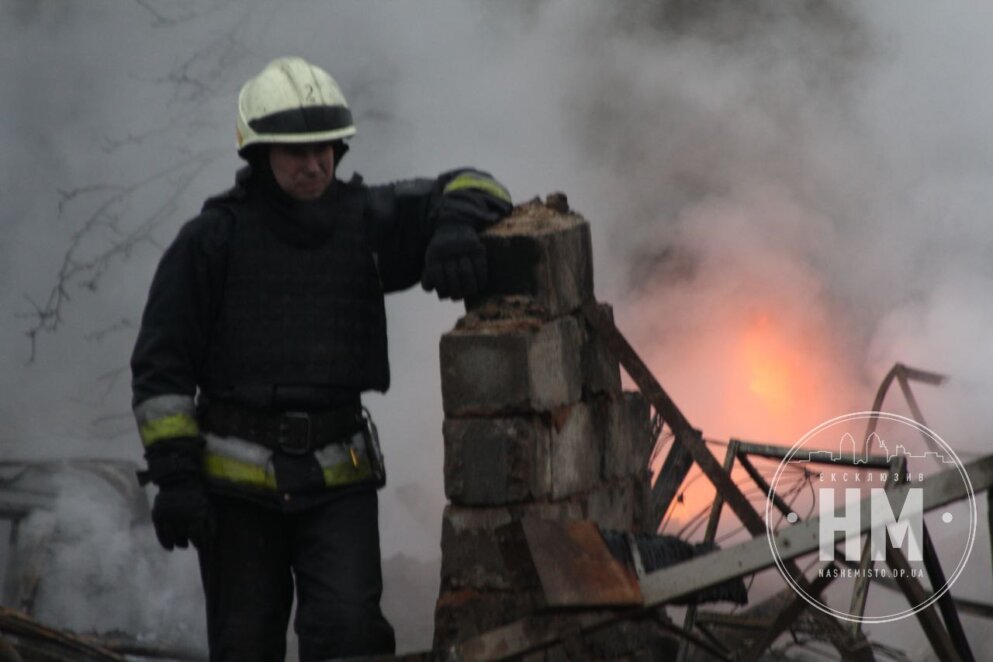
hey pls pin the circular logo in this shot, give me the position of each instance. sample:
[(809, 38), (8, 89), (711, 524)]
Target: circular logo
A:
[(872, 477)]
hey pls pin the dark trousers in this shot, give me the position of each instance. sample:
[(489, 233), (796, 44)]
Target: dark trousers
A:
[(248, 569)]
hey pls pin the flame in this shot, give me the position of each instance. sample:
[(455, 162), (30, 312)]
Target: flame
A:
[(775, 370), (769, 377)]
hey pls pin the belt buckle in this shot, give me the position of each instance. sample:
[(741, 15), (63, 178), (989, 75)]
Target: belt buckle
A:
[(294, 433)]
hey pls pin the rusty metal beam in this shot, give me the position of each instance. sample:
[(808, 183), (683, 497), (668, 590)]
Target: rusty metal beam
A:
[(574, 566)]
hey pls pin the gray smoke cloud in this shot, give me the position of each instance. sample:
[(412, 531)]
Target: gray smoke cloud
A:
[(775, 190)]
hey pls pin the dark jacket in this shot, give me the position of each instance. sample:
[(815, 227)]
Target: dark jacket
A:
[(280, 307)]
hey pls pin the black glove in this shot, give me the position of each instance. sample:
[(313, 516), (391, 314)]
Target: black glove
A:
[(471, 206), (181, 514), (181, 511), (455, 262)]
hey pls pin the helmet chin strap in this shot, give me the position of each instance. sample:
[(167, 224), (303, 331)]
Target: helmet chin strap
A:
[(340, 149)]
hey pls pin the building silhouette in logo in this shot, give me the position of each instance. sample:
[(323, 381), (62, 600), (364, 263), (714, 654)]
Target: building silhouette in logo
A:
[(848, 452)]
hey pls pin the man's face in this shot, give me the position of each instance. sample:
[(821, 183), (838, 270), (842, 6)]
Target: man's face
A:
[(303, 171)]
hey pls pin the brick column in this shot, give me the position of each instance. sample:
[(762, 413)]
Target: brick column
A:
[(536, 423)]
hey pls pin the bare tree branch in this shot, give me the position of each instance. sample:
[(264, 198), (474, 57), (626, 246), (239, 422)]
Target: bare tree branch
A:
[(99, 335), (195, 12), (105, 220)]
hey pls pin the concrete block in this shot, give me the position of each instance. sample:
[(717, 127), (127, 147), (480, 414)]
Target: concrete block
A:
[(541, 253), (471, 556), (645, 520), (625, 424), (639, 424), (613, 424), (472, 547), (464, 613), (612, 505), (510, 366), (566, 509), (601, 371), (496, 461), (576, 451)]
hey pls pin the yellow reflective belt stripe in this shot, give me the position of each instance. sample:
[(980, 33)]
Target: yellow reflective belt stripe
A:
[(345, 473), (223, 467), (168, 427), (235, 471), (475, 181)]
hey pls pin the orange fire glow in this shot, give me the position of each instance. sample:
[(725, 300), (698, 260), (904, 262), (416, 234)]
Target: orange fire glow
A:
[(777, 376), (767, 378)]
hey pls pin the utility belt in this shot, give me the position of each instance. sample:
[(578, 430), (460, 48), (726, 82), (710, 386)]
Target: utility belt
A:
[(344, 442), (293, 432)]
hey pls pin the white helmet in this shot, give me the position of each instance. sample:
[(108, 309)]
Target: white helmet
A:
[(292, 101)]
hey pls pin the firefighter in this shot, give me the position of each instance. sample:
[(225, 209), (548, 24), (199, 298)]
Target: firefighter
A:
[(264, 325)]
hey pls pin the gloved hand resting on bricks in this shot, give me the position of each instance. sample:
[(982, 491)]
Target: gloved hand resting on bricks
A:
[(455, 261)]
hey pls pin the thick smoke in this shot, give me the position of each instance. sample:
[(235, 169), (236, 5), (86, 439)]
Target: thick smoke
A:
[(786, 198)]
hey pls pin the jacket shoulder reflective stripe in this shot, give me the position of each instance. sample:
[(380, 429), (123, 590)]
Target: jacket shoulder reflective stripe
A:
[(473, 179)]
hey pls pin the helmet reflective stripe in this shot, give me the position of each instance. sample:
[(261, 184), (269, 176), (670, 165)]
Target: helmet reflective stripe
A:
[(292, 101), (234, 460), (166, 417)]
